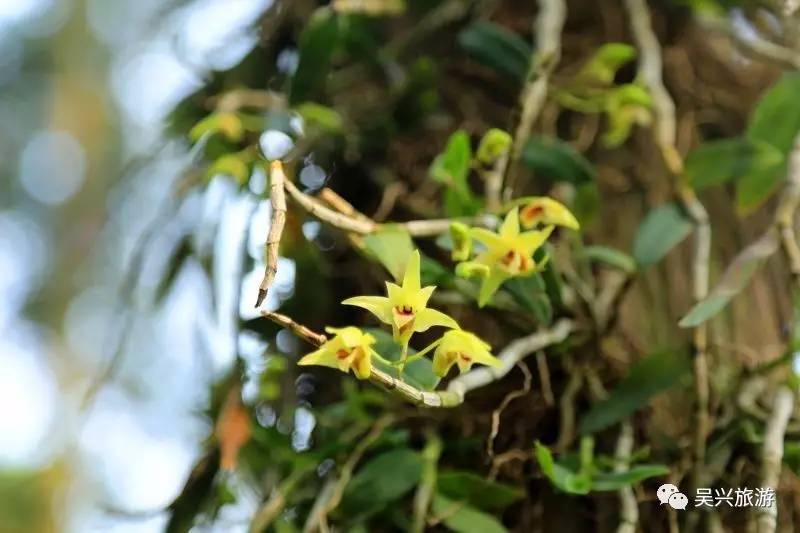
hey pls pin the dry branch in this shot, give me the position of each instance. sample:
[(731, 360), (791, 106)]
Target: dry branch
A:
[(772, 454), (277, 199)]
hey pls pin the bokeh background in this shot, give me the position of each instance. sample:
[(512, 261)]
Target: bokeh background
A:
[(84, 168)]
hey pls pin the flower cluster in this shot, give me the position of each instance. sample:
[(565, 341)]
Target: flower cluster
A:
[(405, 309), (509, 252)]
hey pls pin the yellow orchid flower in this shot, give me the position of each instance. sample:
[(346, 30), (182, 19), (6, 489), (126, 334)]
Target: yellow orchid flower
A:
[(536, 210), (405, 309), (508, 254), (462, 348), (350, 348)]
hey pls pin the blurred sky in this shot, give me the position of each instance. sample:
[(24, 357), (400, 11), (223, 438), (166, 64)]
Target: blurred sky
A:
[(84, 89)]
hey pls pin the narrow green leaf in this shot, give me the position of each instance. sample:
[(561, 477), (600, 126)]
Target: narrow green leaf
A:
[(611, 256), (616, 480), (462, 518), (317, 43), (733, 281), (392, 246), (662, 229), (498, 48), (654, 374), (556, 160), (476, 490)]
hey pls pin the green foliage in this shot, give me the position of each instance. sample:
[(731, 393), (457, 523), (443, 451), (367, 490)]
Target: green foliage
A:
[(662, 229), (555, 160), (529, 292), (611, 256), (498, 48), (317, 44), (321, 117), (392, 246), (582, 476), (562, 477), (776, 122), (463, 518), (451, 168), (382, 480), (476, 491), (234, 165), (718, 162), (650, 376), (229, 125)]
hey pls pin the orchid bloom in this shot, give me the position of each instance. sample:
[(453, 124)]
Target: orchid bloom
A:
[(350, 348), (462, 348), (405, 309), (541, 210), (508, 254)]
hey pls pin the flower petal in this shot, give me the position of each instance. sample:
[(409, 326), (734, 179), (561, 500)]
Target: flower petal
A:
[(379, 306), (361, 364), (531, 240), (490, 285), (510, 227), (442, 362), (545, 210), (427, 318), (324, 356), (422, 296), (411, 281), (490, 239)]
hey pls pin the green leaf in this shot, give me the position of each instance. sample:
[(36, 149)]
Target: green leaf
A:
[(498, 48), (556, 160), (392, 246), (617, 480), (232, 165), (317, 43), (610, 256), (477, 491), (529, 292), (382, 480), (654, 374), (451, 168), (228, 125), (319, 116), (462, 518), (560, 476), (757, 186), (733, 281), (717, 162), (776, 118), (662, 229), (418, 372)]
